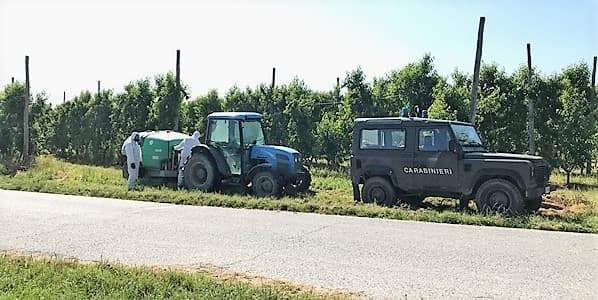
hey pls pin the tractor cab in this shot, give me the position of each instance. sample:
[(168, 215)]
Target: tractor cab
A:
[(235, 151), (233, 134)]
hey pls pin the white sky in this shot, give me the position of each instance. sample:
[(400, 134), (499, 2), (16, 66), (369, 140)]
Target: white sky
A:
[(72, 44)]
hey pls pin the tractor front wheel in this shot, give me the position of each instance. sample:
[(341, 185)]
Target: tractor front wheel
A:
[(199, 173), (265, 184), (303, 180)]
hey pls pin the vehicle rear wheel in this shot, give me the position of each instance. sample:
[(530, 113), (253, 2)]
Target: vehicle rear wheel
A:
[(265, 184), (378, 190), (499, 196), (199, 173)]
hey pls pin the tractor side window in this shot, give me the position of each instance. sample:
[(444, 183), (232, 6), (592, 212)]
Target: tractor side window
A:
[(252, 133), (219, 131), (434, 140), (382, 139), (224, 133)]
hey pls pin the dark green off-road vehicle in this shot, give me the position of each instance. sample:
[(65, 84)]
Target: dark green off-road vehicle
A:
[(408, 159)]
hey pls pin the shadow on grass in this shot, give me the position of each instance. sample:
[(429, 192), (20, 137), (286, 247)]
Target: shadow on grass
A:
[(441, 205), (239, 190)]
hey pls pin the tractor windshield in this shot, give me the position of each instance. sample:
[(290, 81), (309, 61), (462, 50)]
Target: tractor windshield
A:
[(253, 133), (468, 138)]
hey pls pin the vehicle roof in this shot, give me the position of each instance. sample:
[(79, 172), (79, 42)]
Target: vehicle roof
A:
[(236, 115), (405, 121)]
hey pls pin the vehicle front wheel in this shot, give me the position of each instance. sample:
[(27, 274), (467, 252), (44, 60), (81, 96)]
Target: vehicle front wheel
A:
[(265, 184), (380, 191), (199, 173), (499, 196)]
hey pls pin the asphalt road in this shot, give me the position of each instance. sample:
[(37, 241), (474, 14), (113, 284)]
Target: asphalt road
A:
[(382, 258)]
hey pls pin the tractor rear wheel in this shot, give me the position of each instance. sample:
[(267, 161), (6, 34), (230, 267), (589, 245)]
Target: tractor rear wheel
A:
[(265, 184), (199, 173)]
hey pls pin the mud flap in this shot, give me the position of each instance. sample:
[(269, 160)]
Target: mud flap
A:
[(463, 203), (356, 194)]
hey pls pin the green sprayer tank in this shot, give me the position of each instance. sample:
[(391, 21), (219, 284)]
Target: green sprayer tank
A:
[(157, 153)]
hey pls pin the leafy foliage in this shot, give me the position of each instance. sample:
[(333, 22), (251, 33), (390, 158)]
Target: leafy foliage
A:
[(451, 101), (574, 131), (90, 128), (412, 85), (132, 108), (195, 112), (502, 111), (167, 103)]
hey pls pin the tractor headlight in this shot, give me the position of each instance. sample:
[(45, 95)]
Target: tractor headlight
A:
[(297, 159)]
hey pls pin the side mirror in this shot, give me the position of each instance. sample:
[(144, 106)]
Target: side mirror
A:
[(453, 146)]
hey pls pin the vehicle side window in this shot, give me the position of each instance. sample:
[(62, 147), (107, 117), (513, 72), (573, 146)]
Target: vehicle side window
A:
[(382, 139), (434, 139), (397, 138)]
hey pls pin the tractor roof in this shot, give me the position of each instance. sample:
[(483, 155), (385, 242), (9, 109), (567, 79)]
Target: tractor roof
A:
[(403, 120), (236, 115)]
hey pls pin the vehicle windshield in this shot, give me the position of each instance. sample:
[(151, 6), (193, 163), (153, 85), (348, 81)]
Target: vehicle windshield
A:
[(468, 137), (253, 133)]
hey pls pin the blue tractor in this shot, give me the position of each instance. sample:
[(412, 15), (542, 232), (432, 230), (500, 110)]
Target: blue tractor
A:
[(235, 152)]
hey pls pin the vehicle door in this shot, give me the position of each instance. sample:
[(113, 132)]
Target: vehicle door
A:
[(224, 135), (384, 150), (435, 167)]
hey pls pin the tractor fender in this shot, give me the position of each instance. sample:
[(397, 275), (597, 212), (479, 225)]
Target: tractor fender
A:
[(259, 168), (216, 156)]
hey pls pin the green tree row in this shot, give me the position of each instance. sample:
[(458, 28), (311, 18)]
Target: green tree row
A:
[(91, 127)]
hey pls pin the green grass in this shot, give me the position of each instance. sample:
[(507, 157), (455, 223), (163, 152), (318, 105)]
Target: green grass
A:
[(331, 195), (50, 278)]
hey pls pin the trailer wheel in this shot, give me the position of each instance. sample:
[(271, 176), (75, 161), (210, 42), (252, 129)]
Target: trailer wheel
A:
[(378, 190), (199, 173), (499, 196), (265, 184)]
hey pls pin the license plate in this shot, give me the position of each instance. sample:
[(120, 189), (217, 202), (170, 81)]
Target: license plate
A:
[(547, 190)]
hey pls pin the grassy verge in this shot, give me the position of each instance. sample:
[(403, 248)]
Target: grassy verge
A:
[(51, 278), (567, 210)]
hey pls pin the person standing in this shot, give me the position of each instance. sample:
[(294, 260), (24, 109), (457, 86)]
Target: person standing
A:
[(185, 146), (132, 151)]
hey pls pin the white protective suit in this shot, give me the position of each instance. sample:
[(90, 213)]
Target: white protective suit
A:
[(132, 150), (185, 147)]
